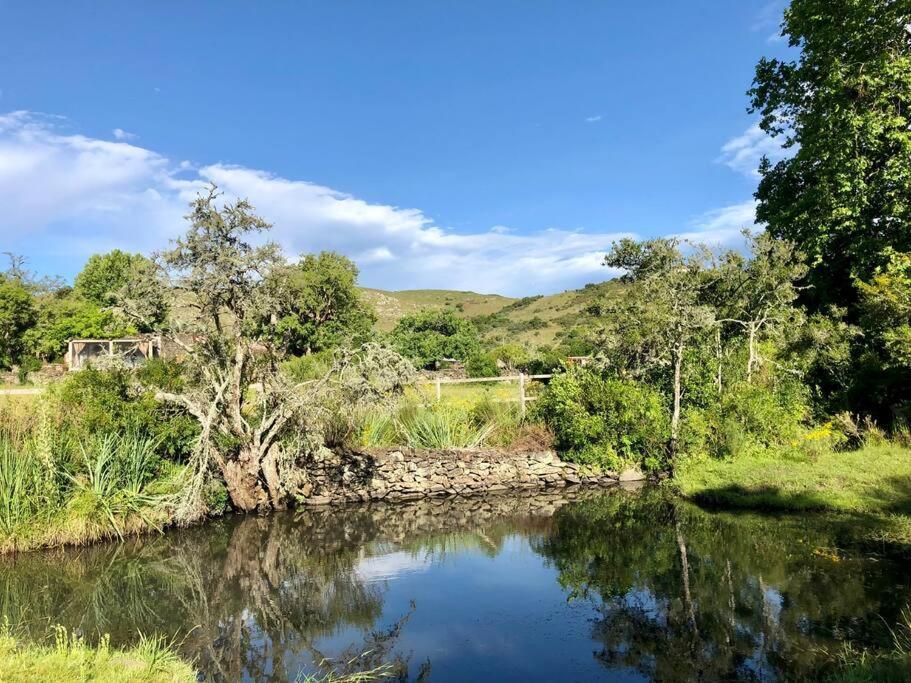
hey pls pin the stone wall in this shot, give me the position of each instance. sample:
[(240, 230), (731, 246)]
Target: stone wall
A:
[(408, 474)]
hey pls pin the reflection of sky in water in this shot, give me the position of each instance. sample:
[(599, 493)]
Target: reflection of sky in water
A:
[(482, 590), (389, 566), (479, 618)]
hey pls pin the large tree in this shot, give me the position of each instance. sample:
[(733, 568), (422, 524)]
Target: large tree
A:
[(843, 107), (103, 275), (323, 307), (255, 424), (17, 316), (431, 335), (652, 327)]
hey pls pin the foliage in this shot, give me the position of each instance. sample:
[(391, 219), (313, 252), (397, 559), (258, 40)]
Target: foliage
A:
[(17, 316), (104, 275), (841, 107), (114, 401), (63, 316), (440, 426), (601, 419), (663, 312), (482, 365), (431, 335), (746, 417), (886, 309), (68, 658), (321, 305), (310, 367)]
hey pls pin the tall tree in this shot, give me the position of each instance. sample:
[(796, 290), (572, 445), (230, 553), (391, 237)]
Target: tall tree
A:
[(662, 312), (758, 292), (322, 305), (17, 316), (844, 108), (105, 274)]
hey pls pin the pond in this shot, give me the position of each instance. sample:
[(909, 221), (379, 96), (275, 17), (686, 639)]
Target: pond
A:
[(608, 585)]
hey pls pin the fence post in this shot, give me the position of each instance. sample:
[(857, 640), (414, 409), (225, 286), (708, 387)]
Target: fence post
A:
[(522, 394), (439, 390)]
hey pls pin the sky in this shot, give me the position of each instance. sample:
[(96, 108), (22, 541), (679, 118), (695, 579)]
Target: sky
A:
[(486, 145)]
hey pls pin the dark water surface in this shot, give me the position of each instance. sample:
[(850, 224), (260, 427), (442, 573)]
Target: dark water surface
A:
[(614, 585)]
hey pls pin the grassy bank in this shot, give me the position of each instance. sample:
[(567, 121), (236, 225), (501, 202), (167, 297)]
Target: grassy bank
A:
[(873, 480), (69, 659)]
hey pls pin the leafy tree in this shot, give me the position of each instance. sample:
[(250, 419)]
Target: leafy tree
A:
[(323, 307), (663, 312), (759, 292), (431, 335), (104, 275), (62, 316), (843, 108), (17, 316), (255, 424), (886, 308)]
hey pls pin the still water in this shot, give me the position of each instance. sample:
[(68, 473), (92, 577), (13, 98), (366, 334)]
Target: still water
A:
[(611, 585)]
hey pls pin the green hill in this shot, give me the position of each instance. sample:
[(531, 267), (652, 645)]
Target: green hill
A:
[(533, 320)]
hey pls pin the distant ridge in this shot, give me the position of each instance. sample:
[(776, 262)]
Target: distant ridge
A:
[(533, 320)]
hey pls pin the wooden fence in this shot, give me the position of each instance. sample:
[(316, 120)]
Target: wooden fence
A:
[(521, 379)]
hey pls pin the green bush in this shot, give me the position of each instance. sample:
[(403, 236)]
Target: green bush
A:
[(27, 364), (112, 401), (482, 365), (429, 336), (603, 420), (747, 417), (310, 366)]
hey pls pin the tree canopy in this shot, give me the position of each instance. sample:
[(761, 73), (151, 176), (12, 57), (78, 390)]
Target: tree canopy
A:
[(322, 305), (104, 275), (431, 335), (842, 109)]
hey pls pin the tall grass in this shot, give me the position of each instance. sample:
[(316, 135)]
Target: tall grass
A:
[(110, 477), (441, 426), (69, 658), (58, 489)]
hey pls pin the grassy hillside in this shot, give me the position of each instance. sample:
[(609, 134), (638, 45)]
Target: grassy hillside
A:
[(533, 320)]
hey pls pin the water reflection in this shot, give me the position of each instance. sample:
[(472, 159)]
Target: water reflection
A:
[(615, 585)]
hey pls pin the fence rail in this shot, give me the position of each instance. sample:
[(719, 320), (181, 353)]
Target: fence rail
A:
[(521, 379)]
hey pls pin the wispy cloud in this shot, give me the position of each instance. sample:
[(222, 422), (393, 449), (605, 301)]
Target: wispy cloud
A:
[(593, 119), (769, 18), (121, 134), (743, 152), (70, 195)]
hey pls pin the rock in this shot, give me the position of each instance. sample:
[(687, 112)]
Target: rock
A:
[(630, 474)]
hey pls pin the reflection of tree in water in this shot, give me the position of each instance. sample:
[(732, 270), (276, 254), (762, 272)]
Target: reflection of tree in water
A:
[(683, 595), (253, 597)]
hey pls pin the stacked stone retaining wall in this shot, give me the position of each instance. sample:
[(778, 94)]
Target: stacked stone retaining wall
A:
[(408, 474)]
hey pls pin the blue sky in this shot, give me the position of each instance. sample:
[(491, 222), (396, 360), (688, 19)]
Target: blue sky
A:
[(494, 146)]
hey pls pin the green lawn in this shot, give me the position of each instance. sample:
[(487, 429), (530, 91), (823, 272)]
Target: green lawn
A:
[(874, 480)]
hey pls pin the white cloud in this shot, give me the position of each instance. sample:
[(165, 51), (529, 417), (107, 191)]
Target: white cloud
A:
[(722, 227), (743, 152), (66, 196), (121, 134), (593, 119)]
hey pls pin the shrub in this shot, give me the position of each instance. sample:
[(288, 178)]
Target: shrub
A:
[(27, 364), (309, 367), (749, 417), (95, 401), (482, 365), (602, 420), (440, 426)]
